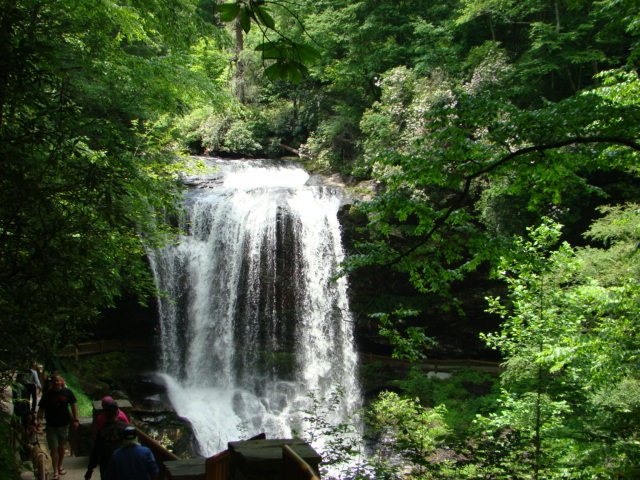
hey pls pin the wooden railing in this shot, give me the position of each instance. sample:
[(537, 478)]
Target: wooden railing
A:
[(218, 467), (161, 453), (141, 344), (38, 455), (432, 365), (106, 346), (294, 467), (40, 463)]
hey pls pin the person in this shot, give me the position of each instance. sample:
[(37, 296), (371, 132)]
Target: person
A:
[(59, 407), (38, 374), (49, 380), (21, 401), (132, 461), (108, 439), (102, 417), (22, 410), (31, 381)]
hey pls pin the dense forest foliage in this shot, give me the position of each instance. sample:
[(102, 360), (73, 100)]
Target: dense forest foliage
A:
[(500, 136)]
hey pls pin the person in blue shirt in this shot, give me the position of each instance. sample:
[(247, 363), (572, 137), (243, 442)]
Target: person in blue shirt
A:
[(132, 461)]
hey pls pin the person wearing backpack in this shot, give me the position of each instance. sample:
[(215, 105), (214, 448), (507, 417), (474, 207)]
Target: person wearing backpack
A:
[(132, 461), (108, 439)]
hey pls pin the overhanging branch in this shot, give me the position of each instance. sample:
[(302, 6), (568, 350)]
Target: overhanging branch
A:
[(457, 202), (551, 146)]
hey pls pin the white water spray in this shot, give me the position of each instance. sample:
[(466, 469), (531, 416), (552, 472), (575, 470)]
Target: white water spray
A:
[(255, 317)]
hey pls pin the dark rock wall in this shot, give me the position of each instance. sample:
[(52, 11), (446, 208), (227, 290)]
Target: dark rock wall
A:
[(380, 289)]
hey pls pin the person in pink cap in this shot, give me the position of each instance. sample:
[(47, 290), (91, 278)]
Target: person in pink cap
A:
[(101, 419)]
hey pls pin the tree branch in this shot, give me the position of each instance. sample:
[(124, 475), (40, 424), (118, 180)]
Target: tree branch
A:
[(550, 146), (457, 202)]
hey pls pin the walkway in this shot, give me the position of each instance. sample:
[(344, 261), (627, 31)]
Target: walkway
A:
[(75, 467)]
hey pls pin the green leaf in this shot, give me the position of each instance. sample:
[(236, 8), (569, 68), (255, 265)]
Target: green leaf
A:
[(228, 11), (276, 71), (245, 19), (271, 50), (306, 54), (294, 72), (286, 70), (262, 15)]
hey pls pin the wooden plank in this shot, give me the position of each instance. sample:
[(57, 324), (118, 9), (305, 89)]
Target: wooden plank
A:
[(218, 467), (161, 453), (106, 346), (434, 365), (123, 404), (295, 468), (259, 450), (262, 459), (190, 469)]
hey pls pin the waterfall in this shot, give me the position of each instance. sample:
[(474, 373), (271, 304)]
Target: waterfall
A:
[(254, 315)]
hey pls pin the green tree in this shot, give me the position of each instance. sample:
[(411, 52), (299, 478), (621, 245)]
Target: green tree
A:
[(408, 436), (286, 57), (359, 41), (555, 46), (84, 93), (472, 146), (569, 341)]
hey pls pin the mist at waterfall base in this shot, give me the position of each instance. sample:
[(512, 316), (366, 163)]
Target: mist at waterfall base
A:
[(255, 316)]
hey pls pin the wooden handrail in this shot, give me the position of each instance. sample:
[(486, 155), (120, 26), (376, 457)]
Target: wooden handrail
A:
[(161, 453), (218, 467), (433, 364), (294, 467), (104, 346), (40, 467)]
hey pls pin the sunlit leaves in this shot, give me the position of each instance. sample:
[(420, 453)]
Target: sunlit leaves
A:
[(287, 59), (228, 11), (570, 342), (409, 342), (406, 429), (85, 158), (472, 9), (290, 59)]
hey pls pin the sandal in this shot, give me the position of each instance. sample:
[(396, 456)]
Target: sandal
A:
[(61, 471), (55, 477)]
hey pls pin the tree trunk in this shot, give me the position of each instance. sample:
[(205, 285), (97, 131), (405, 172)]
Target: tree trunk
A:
[(239, 75)]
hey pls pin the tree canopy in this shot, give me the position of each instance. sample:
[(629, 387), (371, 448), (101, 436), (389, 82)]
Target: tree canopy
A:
[(84, 90), (483, 125)]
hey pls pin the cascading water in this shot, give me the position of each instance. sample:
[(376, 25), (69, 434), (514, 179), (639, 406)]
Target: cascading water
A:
[(255, 316)]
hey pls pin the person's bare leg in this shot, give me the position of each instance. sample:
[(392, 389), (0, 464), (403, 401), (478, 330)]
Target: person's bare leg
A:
[(60, 458), (55, 461)]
